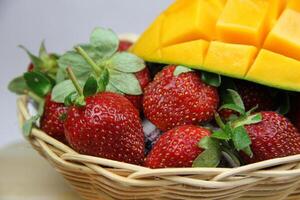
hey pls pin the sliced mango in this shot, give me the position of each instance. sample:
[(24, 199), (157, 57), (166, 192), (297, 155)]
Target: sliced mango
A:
[(285, 36), (192, 53), (225, 36), (272, 68), (229, 59), (196, 20)]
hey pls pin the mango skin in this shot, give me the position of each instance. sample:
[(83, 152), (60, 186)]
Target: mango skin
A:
[(254, 40)]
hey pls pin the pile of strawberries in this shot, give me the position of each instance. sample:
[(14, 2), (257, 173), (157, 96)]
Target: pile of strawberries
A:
[(204, 120)]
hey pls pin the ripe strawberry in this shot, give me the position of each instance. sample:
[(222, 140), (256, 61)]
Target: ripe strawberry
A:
[(108, 126), (177, 147), (143, 78), (30, 67), (171, 101), (273, 137), (252, 95), (52, 120), (124, 45)]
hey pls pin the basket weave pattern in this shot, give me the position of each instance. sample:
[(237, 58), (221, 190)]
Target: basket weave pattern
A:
[(100, 179)]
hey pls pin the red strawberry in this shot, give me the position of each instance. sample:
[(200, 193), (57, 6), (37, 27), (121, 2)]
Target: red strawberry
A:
[(108, 126), (273, 137), (143, 78), (30, 67), (124, 45), (171, 101), (52, 120), (252, 95), (177, 147)]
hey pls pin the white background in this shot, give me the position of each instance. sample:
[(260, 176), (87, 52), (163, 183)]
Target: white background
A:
[(62, 23)]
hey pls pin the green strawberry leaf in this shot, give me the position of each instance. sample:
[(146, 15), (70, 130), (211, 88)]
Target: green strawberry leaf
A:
[(80, 67), (240, 138), (127, 62), (80, 101), (92, 52), (43, 52), (211, 78), (27, 127), (103, 80), (126, 83), (181, 69), (211, 156), (90, 87), (105, 41), (60, 75), (38, 83), (251, 119), (222, 135), (18, 85), (233, 107), (232, 97), (285, 105), (111, 88), (62, 90), (248, 151), (36, 61), (70, 99)]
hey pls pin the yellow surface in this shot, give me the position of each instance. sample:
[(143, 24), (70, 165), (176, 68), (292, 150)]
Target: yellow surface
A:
[(225, 36), (273, 68), (231, 59)]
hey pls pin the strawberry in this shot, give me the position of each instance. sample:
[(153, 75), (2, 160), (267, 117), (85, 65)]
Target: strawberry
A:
[(273, 137), (30, 67), (52, 119), (107, 126), (143, 78), (177, 148), (171, 101), (252, 95), (124, 45)]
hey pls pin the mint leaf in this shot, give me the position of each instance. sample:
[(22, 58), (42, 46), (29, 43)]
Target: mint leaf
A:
[(80, 67), (233, 107), (240, 138), (222, 135), (103, 80), (90, 87), (105, 41), (27, 127), (127, 62), (18, 85), (38, 83), (181, 69), (126, 83), (62, 90), (36, 61), (211, 78), (211, 156)]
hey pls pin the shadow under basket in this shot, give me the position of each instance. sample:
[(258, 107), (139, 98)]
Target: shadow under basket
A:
[(102, 179)]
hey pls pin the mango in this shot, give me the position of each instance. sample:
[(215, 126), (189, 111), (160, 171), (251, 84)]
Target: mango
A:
[(255, 40)]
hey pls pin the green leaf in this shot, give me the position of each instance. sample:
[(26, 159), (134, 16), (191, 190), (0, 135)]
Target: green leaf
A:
[(105, 41), (251, 119), (62, 90), (211, 78), (60, 75), (126, 83), (240, 138), (233, 107), (80, 67), (41, 107), (70, 99), (38, 83), (248, 151), (232, 97), (127, 62), (92, 53), (36, 61), (103, 80), (43, 52), (111, 88), (181, 69), (27, 127), (80, 101), (212, 154), (90, 87), (285, 105), (222, 135), (18, 85)]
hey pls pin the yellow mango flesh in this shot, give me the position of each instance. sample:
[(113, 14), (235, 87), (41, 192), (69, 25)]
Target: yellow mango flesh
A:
[(255, 40)]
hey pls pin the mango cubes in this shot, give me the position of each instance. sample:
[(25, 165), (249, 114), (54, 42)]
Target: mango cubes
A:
[(255, 40)]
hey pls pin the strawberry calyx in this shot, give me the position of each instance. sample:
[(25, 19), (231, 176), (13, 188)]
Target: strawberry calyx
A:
[(230, 138)]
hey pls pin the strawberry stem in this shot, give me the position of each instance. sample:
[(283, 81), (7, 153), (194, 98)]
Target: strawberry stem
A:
[(88, 60), (74, 81), (219, 121), (35, 97)]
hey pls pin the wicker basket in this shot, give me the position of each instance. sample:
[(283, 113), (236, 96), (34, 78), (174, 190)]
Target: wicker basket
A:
[(102, 179)]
